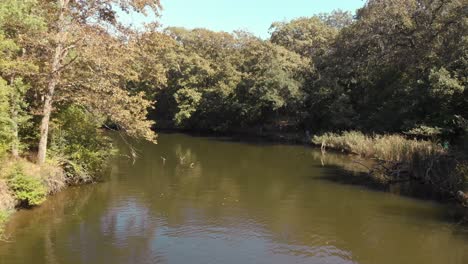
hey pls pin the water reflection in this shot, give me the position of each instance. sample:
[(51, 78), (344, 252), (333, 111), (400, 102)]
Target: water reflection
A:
[(211, 201)]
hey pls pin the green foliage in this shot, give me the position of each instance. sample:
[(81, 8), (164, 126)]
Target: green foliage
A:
[(217, 81), (338, 19), (13, 114), (29, 190), (3, 218), (268, 85), (462, 171), (18, 15), (17, 19), (305, 36), (78, 144), (426, 132), (14, 21), (444, 89), (187, 103), (396, 66), (444, 85), (5, 124)]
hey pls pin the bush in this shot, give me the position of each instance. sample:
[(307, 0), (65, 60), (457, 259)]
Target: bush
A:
[(7, 201), (28, 190), (3, 218), (78, 144), (462, 171)]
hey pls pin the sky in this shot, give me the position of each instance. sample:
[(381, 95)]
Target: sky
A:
[(255, 16)]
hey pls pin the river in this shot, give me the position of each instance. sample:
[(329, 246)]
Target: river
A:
[(203, 200)]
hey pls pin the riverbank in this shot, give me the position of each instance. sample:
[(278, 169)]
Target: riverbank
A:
[(269, 135), (24, 184), (400, 159)]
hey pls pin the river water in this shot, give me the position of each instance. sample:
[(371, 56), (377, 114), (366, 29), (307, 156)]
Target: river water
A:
[(201, 200)]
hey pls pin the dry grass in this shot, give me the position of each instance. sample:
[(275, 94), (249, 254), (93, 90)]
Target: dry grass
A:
[(50, 174), (393, 148), (3, 219), (52, 178), (400, 159)]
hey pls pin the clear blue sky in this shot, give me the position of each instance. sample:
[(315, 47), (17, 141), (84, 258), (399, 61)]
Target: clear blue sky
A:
[(255, 16)]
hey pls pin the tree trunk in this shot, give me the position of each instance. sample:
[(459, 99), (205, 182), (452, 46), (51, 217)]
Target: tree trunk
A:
[(47, 109), (42, 151), (14, 119), (15, 142), (59, 55)]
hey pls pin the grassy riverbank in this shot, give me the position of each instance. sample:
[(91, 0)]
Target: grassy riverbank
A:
[(24, 184), (400, 159), (78, 152)]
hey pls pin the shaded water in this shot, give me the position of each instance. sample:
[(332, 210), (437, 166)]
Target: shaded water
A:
[(216, 201)]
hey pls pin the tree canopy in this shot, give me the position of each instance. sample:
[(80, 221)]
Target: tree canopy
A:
[(394, 66)]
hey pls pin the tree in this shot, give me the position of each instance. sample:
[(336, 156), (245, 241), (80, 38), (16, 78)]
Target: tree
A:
[(338, 19), (272, 83), (380, 66), (72, 24), (309, 37), (5, 121), (201, 70), (18, 28)]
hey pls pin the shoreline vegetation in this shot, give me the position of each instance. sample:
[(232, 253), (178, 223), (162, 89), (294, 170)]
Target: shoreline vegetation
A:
[(397, 159), (24, 184), (395, 70), (65, 73)]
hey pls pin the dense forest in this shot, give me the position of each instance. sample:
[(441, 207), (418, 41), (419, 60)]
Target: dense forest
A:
[(395, 66), (69, 68)]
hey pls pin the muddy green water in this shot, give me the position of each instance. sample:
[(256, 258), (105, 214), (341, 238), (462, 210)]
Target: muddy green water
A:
[(217, 201)]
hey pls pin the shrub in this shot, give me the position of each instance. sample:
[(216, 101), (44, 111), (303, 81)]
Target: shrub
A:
[(28, 190), (3, 218), (53, 177), (462, 171), (78, 144), (7, 201)]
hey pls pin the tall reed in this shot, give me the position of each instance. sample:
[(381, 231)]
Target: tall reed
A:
[(399, 158)]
